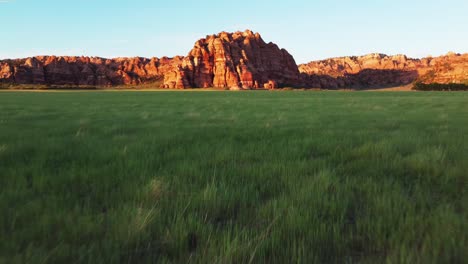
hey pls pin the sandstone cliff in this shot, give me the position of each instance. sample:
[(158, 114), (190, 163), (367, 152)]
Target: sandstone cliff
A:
[(379, 70)]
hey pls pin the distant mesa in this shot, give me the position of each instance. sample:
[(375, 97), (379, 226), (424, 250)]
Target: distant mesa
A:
[(240, 60), (380, 70)]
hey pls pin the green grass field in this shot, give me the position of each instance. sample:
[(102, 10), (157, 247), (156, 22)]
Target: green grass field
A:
[(233, 177)]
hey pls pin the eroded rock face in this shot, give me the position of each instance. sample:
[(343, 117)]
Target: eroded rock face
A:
[(6, 72), (237, 60), (379, 70)]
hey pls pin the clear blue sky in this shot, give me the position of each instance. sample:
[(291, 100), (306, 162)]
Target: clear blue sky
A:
[(308, 29)]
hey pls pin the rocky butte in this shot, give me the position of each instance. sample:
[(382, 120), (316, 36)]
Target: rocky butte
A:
[(235, 60), (240, 60)]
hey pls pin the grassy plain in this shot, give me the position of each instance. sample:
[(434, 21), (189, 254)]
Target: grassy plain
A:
[(233, 177)]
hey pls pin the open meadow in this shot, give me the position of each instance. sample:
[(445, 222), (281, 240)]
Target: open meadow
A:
[(233, 177)]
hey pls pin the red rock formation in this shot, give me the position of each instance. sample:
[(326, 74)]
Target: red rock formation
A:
[(237, 60), (377, 70), (240, 60), (6, 72), (226, 60)]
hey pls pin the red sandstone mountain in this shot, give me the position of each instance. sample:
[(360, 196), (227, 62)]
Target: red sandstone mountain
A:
[(377, 70), (225, 60), (235, 60)]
